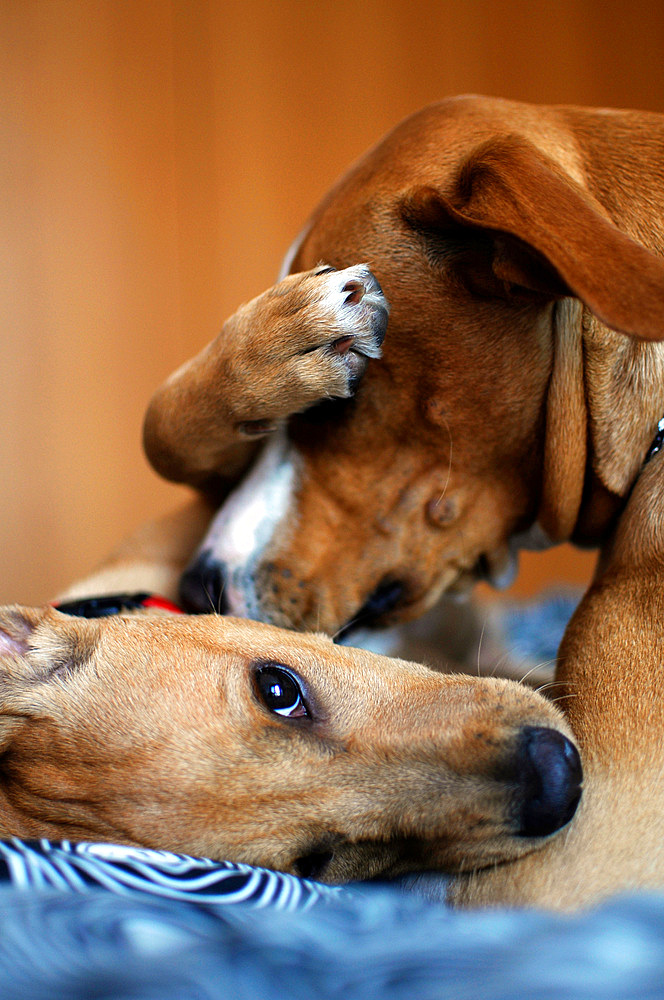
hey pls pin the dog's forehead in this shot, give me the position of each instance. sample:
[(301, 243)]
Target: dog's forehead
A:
[(186, 640)]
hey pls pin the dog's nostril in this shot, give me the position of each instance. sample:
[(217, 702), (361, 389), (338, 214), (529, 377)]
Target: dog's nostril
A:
[(550, 776), (356, 291), (202, 587)]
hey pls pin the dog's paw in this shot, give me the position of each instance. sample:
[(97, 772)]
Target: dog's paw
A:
[(346, 327), (318, 329)]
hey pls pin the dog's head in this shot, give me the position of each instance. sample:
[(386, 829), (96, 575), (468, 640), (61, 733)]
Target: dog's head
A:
[(236, 740), (503, 400)]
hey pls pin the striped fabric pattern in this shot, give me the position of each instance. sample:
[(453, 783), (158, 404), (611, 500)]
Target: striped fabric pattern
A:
[(78, 867)]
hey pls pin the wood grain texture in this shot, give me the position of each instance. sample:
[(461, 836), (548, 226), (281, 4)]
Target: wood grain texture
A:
[(159, 157)]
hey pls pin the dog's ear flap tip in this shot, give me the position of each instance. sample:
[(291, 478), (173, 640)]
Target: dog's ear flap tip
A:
[(15, 629)]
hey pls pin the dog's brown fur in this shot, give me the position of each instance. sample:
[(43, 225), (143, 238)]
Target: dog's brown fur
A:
[(512, 242), (151, 731), (517, 246), (610, 669)]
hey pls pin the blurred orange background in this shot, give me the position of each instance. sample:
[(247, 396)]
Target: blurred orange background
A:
[(158, 158)]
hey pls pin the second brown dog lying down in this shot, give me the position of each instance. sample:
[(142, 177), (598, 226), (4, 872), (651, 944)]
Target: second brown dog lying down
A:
[(235, 740), (521, 249)]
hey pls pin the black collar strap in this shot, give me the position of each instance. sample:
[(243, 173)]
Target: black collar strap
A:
[(115, 604), (657, 443)]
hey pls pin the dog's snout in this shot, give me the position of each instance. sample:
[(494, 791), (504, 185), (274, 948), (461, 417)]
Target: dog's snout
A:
[(549, 773), (202, 587)]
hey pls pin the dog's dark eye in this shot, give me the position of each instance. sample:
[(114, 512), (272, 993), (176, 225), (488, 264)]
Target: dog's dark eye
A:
[(279, 690), (325, 269)]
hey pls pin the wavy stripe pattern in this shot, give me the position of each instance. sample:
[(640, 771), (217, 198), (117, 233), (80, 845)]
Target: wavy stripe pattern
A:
[(76, 867)]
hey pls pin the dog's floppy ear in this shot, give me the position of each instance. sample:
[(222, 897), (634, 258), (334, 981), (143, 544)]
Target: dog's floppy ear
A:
[(548, 235), (515, 222), (37, 646)]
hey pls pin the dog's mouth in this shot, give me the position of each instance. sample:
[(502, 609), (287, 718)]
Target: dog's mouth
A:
[(314, 864), (374, 613), (394, 595)]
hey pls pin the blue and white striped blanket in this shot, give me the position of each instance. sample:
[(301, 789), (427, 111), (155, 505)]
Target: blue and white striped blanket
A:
[(97, 921), (134, 871)]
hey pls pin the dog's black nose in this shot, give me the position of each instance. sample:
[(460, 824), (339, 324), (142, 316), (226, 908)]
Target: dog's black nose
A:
[(549, 776), (202, 587)]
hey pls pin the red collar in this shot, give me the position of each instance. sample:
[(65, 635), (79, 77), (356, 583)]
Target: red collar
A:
[(115, 604)]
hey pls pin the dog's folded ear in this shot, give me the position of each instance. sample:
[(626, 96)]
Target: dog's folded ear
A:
[(537, 229), (37, 647)]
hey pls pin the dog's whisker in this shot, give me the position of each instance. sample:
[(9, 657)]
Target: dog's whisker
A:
[(350, 624), (479, 646), (561, 697), (541, 665), (214, 610), (449, 463), (208, 595), (548, 685), (221, 594), (531, 670), (499, 663)]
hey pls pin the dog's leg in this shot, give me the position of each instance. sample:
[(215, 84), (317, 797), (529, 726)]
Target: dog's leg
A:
[(152, 558), (610, 673), (307, 339), (304, 340)]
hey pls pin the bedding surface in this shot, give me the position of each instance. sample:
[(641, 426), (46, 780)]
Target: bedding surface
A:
[(96, 921)]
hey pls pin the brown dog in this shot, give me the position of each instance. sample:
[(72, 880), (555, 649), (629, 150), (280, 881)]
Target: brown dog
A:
[(236, 740), (512, 242), (517, 246)]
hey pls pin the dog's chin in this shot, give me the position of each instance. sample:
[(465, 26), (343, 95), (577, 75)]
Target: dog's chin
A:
[(344, 862), (376, 861)]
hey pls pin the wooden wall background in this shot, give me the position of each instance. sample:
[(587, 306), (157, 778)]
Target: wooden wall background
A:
[(158, 157)]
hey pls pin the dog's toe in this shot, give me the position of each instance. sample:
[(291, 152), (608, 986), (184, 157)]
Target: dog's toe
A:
[(347, 329)]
